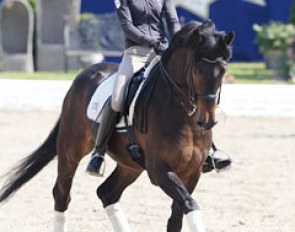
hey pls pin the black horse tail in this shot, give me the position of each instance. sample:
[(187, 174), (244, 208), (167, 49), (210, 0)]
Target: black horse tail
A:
[(29, 166)]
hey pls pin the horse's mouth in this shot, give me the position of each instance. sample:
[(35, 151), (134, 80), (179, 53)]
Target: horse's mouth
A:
[(206, 125)]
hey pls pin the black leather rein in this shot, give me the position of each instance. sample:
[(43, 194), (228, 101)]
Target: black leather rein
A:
[(192, 96)]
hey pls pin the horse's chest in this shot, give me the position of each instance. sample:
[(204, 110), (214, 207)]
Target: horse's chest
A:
[(191, 147)]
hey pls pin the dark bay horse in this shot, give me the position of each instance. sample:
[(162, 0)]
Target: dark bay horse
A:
[(180, 115)]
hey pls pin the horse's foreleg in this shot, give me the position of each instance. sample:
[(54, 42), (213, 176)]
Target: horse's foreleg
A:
[(170, 183), (110, 193), (175, 221)]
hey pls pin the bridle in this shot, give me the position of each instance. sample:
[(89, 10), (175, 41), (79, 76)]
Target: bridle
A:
[(191, 97)]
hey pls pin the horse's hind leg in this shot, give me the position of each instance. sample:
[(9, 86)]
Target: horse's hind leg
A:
[(110, 193), (175, 220), (70, 150)]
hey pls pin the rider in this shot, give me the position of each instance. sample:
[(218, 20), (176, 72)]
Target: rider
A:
[(145, 38)]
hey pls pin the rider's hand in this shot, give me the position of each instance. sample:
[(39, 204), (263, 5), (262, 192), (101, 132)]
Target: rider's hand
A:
[(160, 47)]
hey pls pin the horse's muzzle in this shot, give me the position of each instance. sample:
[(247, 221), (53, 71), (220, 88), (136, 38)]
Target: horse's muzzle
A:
[(206, 125)]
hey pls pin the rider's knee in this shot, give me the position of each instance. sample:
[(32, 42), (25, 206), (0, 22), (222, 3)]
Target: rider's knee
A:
[(116, 105)]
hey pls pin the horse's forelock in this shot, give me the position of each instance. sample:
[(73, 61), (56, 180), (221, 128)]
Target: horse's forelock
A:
[(207, 28)]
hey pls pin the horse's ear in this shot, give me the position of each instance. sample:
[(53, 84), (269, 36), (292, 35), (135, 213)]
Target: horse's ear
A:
[(208, 27), (229, 38)]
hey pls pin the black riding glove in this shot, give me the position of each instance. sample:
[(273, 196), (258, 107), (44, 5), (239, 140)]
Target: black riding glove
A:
[(160, 47)]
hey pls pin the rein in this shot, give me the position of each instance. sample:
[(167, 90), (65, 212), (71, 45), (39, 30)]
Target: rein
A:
[(192, 96), (168, 79)]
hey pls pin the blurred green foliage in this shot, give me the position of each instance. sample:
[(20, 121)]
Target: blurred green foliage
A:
[(273, 36), (33, 4), (292, 13)]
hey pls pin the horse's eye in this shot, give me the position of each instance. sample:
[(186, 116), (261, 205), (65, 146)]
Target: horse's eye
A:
[(219, 71), (224, 68)]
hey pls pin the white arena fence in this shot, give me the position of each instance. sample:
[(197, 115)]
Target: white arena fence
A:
[(236, 99)]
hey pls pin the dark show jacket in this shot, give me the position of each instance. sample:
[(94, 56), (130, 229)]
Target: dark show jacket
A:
[(142, 21)]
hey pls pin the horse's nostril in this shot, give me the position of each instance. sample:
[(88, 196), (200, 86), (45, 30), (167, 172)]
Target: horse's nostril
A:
[(201, 124)]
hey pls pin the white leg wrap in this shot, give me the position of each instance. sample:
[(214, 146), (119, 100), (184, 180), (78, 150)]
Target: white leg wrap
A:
[(117, 218), (59, 222), (195, 222)]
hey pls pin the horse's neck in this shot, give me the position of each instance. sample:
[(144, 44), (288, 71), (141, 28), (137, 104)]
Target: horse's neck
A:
[(177, 85), (167, 116), (167, 102), (177, 66)]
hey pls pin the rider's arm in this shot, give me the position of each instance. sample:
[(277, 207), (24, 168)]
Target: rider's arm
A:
[(130, 31), (171, 17)]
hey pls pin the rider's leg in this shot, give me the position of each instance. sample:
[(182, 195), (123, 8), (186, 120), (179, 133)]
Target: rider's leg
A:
[(105, 131), (133, 59)]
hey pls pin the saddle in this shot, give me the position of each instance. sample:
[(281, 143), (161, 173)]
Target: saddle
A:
[(143, 98), (131, 89)]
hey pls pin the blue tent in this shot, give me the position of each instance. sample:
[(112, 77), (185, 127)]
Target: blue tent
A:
[(228, 15)]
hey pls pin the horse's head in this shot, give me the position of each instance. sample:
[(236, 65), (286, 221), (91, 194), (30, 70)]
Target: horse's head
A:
[(201, 54)]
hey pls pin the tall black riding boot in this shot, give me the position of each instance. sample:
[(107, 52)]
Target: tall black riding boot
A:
[(105, 131)]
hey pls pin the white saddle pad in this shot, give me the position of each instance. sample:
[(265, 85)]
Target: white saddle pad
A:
[(104, 91), (98, 99)]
